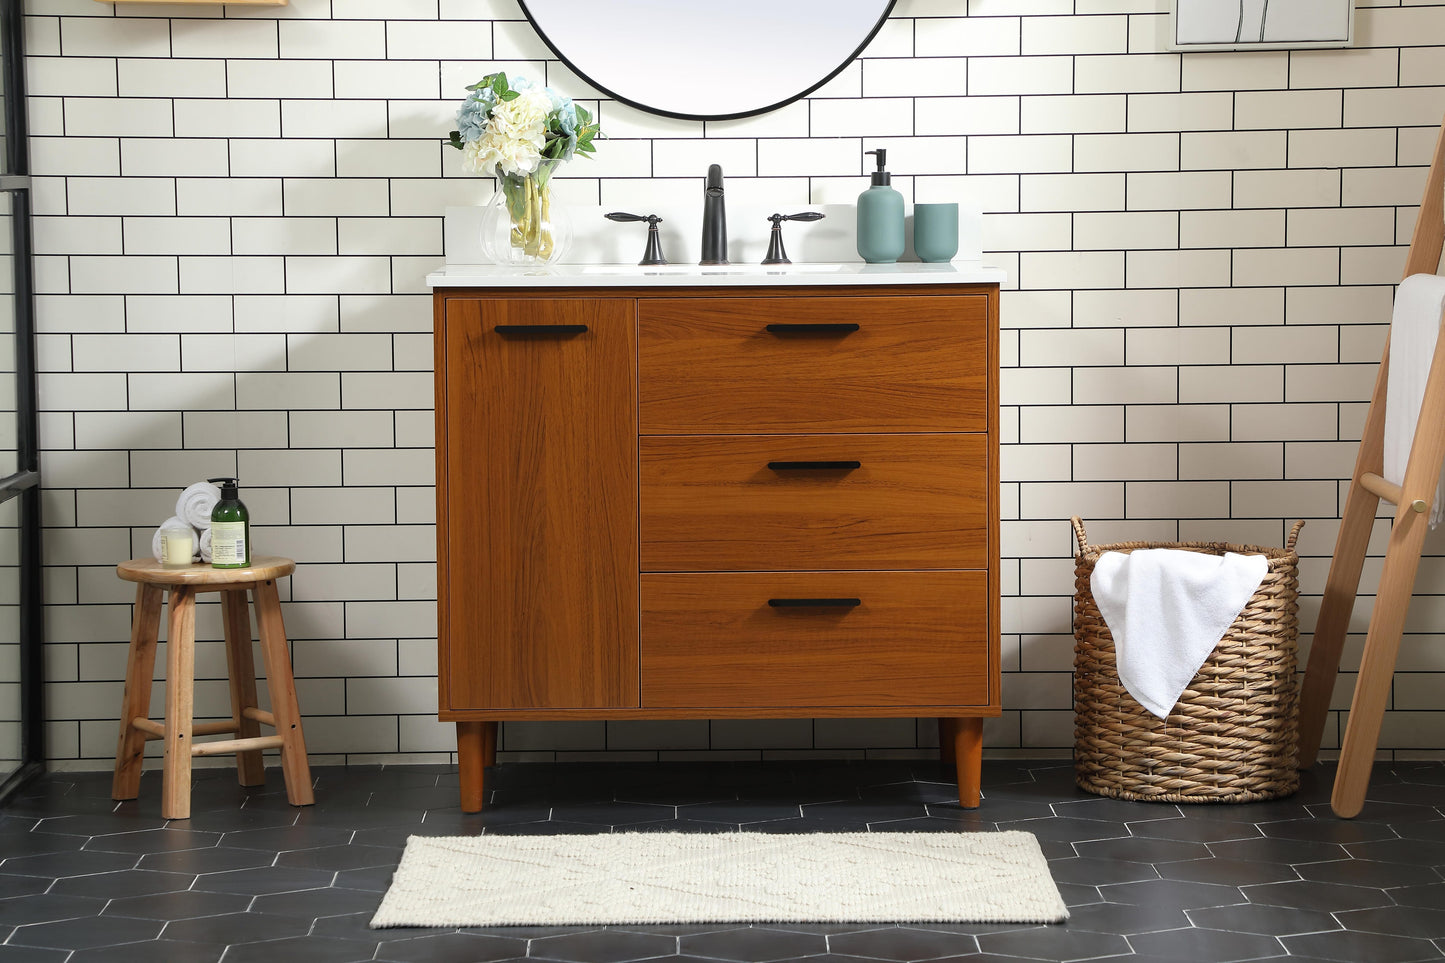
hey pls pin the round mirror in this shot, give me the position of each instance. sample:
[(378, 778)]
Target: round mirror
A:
[(707, 61)]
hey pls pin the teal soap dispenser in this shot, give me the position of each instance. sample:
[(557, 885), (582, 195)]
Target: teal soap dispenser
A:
[(880, 217)]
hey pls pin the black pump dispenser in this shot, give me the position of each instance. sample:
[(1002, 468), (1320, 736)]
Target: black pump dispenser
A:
[(230, 487), (881, 178), (230, 527)]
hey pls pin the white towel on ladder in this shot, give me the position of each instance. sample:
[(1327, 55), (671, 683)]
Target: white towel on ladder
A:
[(1414, 329), (1167, 609)]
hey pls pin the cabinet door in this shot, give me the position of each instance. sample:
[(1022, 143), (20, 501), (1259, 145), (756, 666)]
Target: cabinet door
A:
[(539, 562)]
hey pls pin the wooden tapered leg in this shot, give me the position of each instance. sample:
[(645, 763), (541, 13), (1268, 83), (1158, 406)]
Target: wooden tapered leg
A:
[(140, 669), (1343, 583), (241, 666), (473, 739), (180, 694), (284, 708), (947, 739), (968, 755)]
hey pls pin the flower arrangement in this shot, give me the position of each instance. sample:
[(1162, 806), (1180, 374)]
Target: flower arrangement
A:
[(520, 133)]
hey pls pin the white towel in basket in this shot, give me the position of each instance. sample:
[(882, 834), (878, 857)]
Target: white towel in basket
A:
[(1167, 609)]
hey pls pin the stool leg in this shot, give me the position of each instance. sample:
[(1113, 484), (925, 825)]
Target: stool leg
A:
[(180, 696), (136, 703), (287, 713), (241, 667)]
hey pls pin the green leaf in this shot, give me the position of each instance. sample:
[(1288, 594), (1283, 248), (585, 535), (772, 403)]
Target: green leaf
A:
[(456, 140)]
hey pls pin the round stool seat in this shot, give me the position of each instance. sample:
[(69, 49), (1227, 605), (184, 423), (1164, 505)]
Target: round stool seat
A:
[(200, 574)]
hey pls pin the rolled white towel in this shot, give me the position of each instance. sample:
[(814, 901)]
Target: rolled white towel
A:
[(195, 504), (156, 538), (204, 545)]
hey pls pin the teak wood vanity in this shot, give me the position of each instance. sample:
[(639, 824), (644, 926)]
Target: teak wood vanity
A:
[(734, 496)]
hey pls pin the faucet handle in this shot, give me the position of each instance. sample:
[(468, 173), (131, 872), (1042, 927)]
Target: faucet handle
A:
[(776, 254), (653, 254)]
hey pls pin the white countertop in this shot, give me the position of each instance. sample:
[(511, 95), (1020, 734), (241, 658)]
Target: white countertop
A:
[(692, 275)]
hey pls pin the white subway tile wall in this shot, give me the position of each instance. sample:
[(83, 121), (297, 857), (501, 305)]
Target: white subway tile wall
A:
[(236, 208)]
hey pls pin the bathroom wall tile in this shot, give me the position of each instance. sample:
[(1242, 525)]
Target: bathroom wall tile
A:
[(1128, 74), (1241, 381), (1122, 463), (279, 78), (1073, 114), (227, 118), (1221, 229), (1071, 192), (1020, 75), (1126, 231), (1075, 35), (1170, 112), (1292, 188), (1132, 309), (223, 38), (1127, 152), (1358, 147), (1262, 110), (1181, 191), (158, 77)]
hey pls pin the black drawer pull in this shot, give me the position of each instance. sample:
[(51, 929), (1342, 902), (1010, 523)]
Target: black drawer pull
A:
[(540, 330), (815, 603), (824, 328), (814, 465)]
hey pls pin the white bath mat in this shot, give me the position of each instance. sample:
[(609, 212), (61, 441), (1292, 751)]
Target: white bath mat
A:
[(981, 877)]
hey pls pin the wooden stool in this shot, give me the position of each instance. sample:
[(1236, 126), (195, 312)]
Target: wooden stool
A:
[(178, 730)]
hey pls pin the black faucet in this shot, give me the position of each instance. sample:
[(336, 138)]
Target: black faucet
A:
[(714, 219)]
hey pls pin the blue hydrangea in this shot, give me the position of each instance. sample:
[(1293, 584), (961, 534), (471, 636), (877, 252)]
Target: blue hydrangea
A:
[(472, 115)]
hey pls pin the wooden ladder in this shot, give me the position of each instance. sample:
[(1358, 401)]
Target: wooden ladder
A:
[(1412, 499)]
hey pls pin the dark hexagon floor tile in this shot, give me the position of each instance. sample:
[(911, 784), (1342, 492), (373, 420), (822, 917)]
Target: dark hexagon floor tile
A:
[(1426, 924), (315, 903), (1368, 872), (198, 861), (753, 945), (35, 844), (127, 882), (235, 928), (602, 946), (100, 824), (32, 954), (1344, 831), (1264, 920), (177, 906), (1326, 897), (901, 943), (151, 951), (549, 827), (1231, 872), (1079, 894), (360, 817), (352, 926), (81, 934), (1139, 849), (1217, 946), (1275, 850), (1114, 810), (452, 948), (1352, 947), (311, 949), (1125, 919), (617, 814), (78, 863), (1055, 943), (1068, 830), (962, 821), (738, 812), (341, 857), (1194, 830), (153, 841), (261, 882), (1416, 852), (1434, 829), (45, 907), (232, 820), (1383, 812), (1095, 872), (287, 839), (374, 879), (1173, 892), (12, 886), (1430, 896)]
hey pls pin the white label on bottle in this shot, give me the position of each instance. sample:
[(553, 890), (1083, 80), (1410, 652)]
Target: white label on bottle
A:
[(228, 543)]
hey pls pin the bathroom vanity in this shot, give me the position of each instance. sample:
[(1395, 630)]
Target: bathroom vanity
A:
[(683, 492)]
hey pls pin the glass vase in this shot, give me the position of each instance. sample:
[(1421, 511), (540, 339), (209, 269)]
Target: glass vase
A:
[(524, 224)]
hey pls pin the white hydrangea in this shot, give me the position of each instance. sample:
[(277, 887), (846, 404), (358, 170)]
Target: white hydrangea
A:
[(514, 138)]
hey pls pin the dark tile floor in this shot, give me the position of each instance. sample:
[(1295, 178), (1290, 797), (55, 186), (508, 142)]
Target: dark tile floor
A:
[(249, 878)]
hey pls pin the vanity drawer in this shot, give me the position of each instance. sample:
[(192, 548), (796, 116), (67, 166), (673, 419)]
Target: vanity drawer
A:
[(912, 639), (825, 364), (795, 502)]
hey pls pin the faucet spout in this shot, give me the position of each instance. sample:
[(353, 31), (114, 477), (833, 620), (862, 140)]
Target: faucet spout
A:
[(714, 219)]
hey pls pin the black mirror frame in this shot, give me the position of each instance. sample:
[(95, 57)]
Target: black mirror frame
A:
[(882, 19)]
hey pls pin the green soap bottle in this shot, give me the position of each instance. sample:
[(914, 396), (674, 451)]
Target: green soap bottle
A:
[(880, 217), (230, 528)]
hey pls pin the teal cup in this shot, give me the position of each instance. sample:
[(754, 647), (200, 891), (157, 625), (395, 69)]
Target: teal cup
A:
[(935, 231)]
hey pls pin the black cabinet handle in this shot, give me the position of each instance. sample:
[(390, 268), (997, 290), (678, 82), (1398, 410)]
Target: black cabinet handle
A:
[(814, 465), (540, 330), (823, 328), (815, 603)]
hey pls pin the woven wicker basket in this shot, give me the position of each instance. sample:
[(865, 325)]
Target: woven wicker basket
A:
[(1233, 735)]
